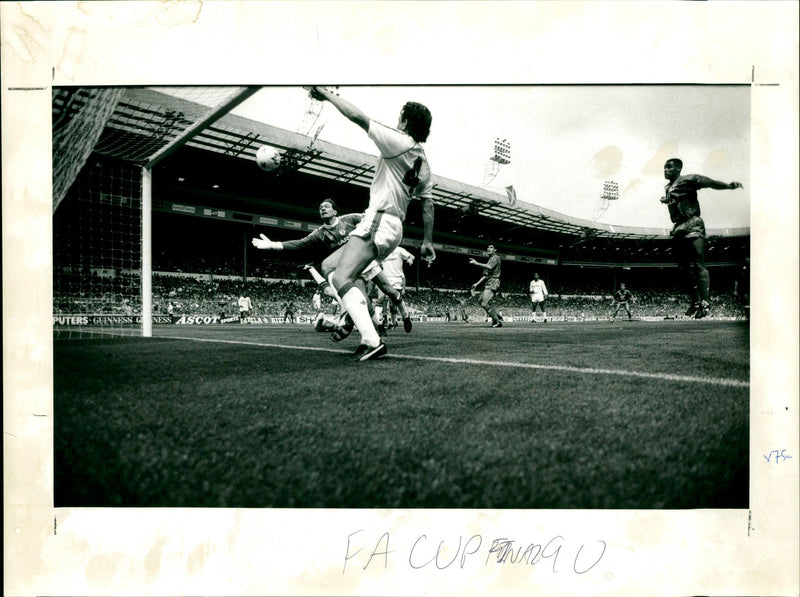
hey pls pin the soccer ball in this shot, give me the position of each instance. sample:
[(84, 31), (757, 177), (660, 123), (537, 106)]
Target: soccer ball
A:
[(268, 158)]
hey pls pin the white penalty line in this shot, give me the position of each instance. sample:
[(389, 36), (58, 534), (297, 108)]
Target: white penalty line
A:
[(718, 381)]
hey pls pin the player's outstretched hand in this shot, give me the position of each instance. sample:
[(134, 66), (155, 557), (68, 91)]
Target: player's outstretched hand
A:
[(315, 92), (427, 253), (736, 185), (264, 243), (473, 262)]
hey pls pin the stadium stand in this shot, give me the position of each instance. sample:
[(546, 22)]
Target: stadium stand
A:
[(210, 200)]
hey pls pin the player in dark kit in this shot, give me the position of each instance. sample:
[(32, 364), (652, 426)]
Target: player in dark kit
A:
[(462, 310), (622, 298), (491, 277), (689, 230), (329, 238), (288, 311)]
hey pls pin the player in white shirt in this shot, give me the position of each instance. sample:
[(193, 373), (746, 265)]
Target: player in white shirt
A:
[(245, 305), (392, 268), (402, 173), (538, 292)]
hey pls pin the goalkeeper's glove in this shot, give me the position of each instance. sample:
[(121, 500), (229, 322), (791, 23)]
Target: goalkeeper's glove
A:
[(265, 243)]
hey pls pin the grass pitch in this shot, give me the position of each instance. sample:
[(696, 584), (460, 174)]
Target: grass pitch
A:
[(560, 415)]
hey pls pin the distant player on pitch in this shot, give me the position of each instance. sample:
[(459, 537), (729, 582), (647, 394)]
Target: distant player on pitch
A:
[(245, 306), (402, 173), (288, 311), (622, 299), (491, 284), (538, 292), (392, 268), (689, 230)]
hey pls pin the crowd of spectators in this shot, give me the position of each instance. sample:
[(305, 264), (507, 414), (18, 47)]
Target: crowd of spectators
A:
[(228, 265), (220, 296), (207, 288)]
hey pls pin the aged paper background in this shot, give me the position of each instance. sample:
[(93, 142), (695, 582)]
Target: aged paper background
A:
[(258, 552)]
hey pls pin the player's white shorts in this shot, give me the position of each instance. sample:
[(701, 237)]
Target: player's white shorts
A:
[(537, 299), (385, 231), (397, 282)]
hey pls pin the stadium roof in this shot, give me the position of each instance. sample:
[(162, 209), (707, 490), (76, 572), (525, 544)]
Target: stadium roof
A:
[(146, 120)]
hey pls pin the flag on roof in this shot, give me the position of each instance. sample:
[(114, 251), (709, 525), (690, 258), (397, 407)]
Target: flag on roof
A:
[(512, 194)]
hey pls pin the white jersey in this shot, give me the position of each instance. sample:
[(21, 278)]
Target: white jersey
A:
[(244, 303), (392, 266), (401, 157), (538, 290)]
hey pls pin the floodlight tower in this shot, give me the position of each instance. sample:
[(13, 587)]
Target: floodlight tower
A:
[(610, 193), (501, 156), (313, 110), (610, 190)]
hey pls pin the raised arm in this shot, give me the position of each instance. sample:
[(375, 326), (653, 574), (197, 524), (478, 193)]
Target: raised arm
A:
[(290, 245), (348, 109), (710, 183), (263, 242), (720, 186)]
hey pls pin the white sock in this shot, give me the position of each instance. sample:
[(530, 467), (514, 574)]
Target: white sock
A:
[(316, 275), (356, 304)]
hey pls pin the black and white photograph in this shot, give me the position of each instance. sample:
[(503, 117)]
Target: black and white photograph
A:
[(489, 369), (453, 299)]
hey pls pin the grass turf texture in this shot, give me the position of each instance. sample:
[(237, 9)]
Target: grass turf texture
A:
[(220, 423)]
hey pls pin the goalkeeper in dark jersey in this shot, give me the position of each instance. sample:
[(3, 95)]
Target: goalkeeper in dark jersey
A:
[(689, 230), (329, 238)]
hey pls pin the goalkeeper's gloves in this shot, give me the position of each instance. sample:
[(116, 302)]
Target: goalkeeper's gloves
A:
[(265, 243)]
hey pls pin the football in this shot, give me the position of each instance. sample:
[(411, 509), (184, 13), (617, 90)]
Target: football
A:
[(268, 158)]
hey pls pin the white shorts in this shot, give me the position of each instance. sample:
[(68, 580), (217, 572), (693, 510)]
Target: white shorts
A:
[(385, 231), (537, 299), (397, 282)]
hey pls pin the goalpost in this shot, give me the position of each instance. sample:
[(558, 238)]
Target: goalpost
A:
[(104, 153)]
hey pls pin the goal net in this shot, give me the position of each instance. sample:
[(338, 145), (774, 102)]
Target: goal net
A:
[(105, 144)]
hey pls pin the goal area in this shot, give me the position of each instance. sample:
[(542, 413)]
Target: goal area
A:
[(106, 144)]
